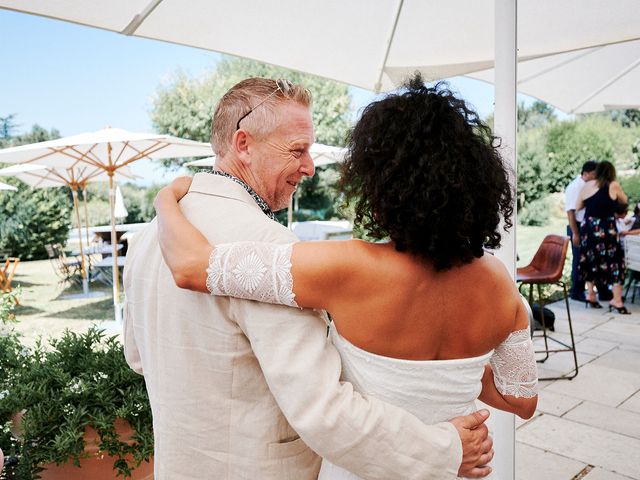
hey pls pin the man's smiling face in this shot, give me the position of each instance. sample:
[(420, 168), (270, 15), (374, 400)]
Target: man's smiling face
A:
[(282, 158)]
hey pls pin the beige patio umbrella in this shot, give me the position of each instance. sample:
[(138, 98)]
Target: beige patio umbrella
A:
[(76, 178), (107, 151), (373, 45), (587, 80), (4, 186)]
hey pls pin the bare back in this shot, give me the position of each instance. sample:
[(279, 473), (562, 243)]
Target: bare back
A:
[(398, 306)]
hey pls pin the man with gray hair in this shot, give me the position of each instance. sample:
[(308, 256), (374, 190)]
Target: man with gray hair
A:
[(248, 390)]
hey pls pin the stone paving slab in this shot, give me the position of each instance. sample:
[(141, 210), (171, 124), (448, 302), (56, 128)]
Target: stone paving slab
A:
[(632, 404), (587, 428), (627, 360), (563, 361), (600, 384), (555, 403), (594, 346), (589, 445), (599, 474), (607, 418), (535, 464), (616, 330)]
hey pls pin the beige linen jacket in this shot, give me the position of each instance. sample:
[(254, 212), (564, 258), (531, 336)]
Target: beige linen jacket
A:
[(246, 390)]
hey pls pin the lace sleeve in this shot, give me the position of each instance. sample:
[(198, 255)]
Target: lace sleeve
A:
[(252, 270), (514, 366)]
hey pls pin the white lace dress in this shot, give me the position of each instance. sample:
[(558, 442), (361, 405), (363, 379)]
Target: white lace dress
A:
[(433, 390)]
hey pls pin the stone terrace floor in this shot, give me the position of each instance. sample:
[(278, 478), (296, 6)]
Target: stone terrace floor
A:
[(589, 427)]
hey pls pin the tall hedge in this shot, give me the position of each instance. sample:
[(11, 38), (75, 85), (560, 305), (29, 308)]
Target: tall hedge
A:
[(32, 217)]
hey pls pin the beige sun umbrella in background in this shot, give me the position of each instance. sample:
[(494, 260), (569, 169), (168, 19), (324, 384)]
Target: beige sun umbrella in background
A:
[(76, 178), (4, 186), (108, 151)]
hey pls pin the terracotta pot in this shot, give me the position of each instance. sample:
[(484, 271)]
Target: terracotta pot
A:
[(98, 466)]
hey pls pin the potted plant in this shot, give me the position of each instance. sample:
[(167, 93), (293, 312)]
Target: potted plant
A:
[(82, 407)]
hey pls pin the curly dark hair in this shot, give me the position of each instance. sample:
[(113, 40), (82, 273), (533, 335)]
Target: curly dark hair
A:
[(423, 170)]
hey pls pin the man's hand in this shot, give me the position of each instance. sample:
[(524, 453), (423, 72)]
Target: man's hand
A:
[(477, 445), (575, 238)]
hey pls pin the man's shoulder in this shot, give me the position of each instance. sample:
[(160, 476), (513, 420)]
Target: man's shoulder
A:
[(224, 211), (573, 184)]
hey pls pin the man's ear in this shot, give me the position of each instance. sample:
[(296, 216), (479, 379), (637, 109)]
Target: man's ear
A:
[(241, 143)]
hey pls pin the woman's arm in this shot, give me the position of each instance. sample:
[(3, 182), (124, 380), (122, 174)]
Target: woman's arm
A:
[(616, 191), (185, 250), (318, 270), (517, 372)]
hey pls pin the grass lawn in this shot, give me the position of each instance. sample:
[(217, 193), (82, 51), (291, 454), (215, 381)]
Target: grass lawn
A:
[(45, 309), (528, 239)]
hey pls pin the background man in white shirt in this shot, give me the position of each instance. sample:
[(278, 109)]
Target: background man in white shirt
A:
[(571, 194)]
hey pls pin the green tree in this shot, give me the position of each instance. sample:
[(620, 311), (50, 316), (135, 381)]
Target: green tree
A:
[(628, 118), (33, 217), (533, 166), (7, 126), (536, 115), (571, 143)]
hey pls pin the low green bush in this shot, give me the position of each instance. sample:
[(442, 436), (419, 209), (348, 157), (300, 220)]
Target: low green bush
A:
[(535, 213)]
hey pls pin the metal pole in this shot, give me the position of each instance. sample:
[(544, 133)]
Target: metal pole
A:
[(114, 242), (86, 212), (290, 213), (505, 127), (76, 207)]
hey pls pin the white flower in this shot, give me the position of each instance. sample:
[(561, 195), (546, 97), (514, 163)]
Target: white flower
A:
[(3, 394), (249, 272)]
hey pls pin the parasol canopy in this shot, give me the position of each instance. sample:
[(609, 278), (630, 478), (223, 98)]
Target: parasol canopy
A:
[(107, 151), (373, 45)]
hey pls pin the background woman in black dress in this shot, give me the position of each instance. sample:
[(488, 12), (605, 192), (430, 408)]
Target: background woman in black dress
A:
[(601, 255)]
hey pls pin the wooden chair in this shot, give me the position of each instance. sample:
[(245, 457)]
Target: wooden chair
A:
[(546, 269), (66, 269), (7, 271)]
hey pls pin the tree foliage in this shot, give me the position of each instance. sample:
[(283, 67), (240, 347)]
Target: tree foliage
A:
[(571, 143), (138, 201), (32, 217), (551, 152)]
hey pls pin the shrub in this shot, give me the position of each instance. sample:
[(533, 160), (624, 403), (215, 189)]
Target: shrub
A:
[(76, 381), (631, 186), (535, 213), (33, 217)]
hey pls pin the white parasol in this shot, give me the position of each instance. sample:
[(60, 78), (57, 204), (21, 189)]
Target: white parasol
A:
[(105, 151), (76, 178)]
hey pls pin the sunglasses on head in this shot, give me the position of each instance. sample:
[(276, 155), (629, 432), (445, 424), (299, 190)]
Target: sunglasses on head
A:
[(282, 86)]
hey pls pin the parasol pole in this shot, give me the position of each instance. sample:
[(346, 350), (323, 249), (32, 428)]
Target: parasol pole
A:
[(290, 213), (114, 242), (76, 207), (86, 211), (505, 122)]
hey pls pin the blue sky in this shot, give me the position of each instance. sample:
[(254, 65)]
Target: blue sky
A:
[(79, 79)]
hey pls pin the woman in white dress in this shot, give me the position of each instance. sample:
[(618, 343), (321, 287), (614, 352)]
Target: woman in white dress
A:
[(425, 320)]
